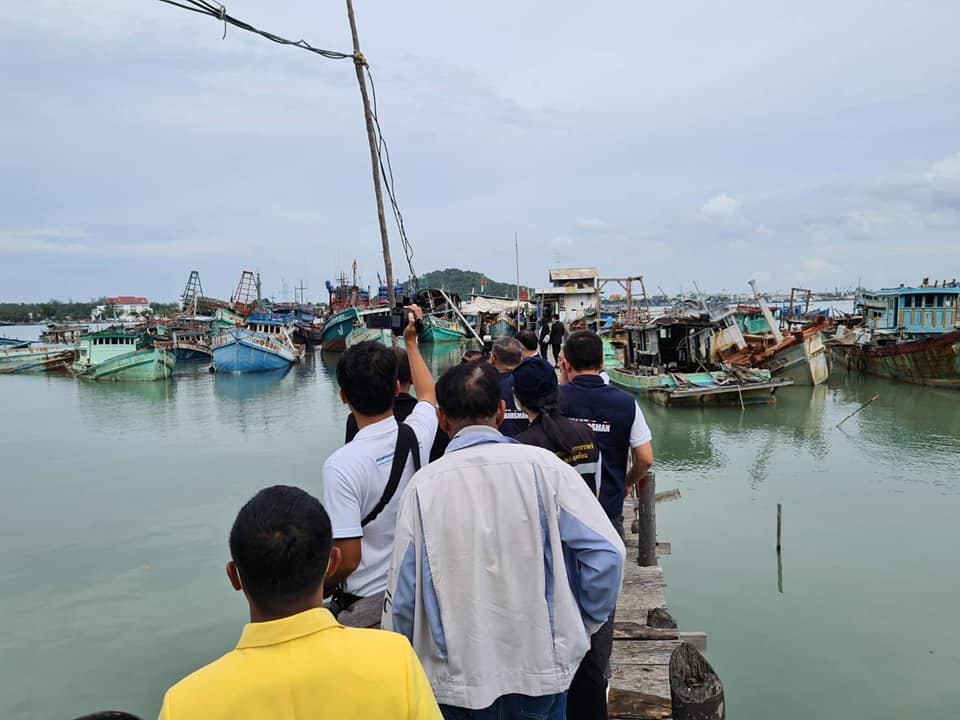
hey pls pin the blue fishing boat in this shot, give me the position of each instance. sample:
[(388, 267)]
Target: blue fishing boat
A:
[(265, 342), (348, 304), (12, 343), (301, 317), (191, 345)]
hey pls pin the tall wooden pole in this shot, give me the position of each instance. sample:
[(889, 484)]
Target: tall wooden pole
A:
[(359, 63)]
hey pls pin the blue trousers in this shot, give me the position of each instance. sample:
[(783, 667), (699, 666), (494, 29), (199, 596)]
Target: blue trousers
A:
[(513, 707)]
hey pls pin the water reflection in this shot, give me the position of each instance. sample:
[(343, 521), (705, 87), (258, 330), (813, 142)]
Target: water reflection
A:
[(246, 386)]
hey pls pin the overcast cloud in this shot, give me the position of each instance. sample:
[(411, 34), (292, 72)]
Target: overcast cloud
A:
[(704, 142)]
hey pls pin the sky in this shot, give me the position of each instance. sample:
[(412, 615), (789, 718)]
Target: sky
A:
[(813, 144)]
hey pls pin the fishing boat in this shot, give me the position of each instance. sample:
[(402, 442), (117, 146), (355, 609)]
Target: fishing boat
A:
[(64, 334), (736, 387), (796, 351), (117, 354), (909, 334), (301, 317), (265, 342), (441, 316), (349, 303), (35, 359), (7, 343), (191, 345), (682, 358)]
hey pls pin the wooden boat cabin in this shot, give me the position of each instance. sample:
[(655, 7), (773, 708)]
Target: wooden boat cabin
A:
[(924, 310), (687, 339), (99, 347)]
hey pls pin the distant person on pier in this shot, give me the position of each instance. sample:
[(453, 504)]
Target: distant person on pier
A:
[(507, 354), (363, 480), (544, 336), (557, 333), (403, 405), (499, 609), (537, 391), (294, 661), (528, 343)]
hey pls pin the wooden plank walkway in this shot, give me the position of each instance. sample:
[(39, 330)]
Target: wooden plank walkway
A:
[(640, 683)]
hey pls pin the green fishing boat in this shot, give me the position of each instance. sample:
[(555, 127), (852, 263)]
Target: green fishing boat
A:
[(439, 330), (115, 354), (35, 360)]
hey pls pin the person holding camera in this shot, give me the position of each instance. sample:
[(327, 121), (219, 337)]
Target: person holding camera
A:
[(364, 479)]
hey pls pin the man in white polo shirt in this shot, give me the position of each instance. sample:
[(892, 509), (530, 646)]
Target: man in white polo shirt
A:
[(363, 480)]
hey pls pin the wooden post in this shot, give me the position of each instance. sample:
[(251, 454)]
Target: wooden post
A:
[(359, 62), (647, 515), (779, 525), (695, 689)]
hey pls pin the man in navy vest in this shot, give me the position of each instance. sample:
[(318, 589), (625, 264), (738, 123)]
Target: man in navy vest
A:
[(615, 417), (620, 431)]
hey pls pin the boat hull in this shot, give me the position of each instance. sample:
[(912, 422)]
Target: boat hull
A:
[(239, 350), (699, 389), (35, 361), (934, 362), (191, 352), (439, 330), (365, 334), (804, 362), (336, 328), (501, 328), (146, 365)]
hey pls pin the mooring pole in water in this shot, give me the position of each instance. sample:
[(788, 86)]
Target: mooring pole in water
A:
[(857, 410), (779, 525), (647, 517), (359, 63)]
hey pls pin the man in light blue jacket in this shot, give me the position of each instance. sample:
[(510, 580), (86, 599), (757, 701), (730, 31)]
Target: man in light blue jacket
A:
[(503, 565)]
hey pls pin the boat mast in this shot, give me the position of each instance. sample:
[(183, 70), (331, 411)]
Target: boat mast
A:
[(516, 258), (359, 63)]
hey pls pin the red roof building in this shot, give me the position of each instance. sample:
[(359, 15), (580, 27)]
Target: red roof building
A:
[(127, 300)]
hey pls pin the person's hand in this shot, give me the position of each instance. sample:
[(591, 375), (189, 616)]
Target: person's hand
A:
[(414, 313)]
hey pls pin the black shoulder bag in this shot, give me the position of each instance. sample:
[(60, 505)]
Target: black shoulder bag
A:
[(407, 444)]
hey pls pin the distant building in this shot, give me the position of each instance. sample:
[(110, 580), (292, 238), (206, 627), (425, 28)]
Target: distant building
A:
[(125, 308), (574, 293)]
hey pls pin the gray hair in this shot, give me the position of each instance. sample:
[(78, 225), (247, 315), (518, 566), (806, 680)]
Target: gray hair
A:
[(507, 351)]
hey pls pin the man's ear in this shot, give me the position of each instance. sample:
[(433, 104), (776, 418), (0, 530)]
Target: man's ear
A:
[(343, 398), (234, 576), (333, 564), (501, 413), (443, 421), (397, 390)]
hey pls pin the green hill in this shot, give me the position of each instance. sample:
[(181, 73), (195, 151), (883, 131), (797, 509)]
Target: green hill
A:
[(463, 282)]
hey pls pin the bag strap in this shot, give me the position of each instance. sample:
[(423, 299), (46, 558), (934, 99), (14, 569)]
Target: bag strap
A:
[(407, 444)]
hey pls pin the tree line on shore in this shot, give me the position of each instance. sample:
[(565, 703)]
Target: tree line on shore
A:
[(60, 310)]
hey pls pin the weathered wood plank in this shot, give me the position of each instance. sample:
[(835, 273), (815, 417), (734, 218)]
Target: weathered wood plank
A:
[(637, 631), (648, 652), (697, 639), (648, 679), (632, 705)]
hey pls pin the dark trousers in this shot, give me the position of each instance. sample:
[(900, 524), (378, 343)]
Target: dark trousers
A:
[(587, 698), (557, 345), (513, 707), (543, 350)]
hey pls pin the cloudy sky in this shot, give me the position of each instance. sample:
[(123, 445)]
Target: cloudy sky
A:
[(801, 144)]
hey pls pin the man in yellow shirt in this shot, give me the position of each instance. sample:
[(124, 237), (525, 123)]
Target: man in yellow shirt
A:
[(294, 661)]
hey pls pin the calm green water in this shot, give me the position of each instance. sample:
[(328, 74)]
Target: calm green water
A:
[(117, 500)]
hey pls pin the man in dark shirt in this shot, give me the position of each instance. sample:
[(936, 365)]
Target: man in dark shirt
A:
[(557, 331), (403, 405), (507, 354)]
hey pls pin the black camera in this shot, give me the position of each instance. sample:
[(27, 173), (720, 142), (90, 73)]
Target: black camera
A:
[(399, 317)]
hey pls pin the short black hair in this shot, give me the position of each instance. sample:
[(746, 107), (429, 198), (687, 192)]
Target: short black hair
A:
[(109, 715), (403, 366), (281, 543), (508, 351), (584, 350), (528, 339), (472, 356), (367, 374), (469, 391), (556, 317)]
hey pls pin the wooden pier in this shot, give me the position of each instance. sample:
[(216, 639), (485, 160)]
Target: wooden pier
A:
[(646, 637)]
